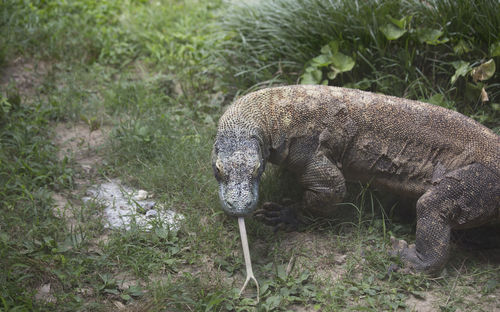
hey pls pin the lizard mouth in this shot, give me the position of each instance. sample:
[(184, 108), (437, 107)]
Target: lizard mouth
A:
[(237, 200)]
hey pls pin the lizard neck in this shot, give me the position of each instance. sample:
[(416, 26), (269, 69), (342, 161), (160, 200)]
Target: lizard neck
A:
[(244, 119)]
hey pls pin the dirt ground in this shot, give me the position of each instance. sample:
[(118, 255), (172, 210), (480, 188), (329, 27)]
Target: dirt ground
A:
[(83, 145), (25, 74)]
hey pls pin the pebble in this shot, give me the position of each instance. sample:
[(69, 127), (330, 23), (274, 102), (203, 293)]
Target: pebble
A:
[(143, 208), (91, 192), (151, 213), (141, 195), (149, 205)]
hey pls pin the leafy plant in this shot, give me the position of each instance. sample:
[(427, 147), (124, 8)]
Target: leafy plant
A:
[(336, 62), (408, 49), (157, 73)]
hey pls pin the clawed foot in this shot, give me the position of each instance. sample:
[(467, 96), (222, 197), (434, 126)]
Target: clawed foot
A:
[(417, 261), (408, 254), (280, 216), (401, 247)]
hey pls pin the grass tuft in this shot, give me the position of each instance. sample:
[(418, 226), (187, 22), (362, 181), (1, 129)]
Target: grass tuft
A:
[(157, 75), (401, 48)]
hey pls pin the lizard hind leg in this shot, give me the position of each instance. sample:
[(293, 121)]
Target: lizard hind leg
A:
[(464, 198), (430, 251)]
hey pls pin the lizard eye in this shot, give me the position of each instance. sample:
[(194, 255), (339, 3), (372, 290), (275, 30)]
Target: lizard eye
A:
[(218, 168)]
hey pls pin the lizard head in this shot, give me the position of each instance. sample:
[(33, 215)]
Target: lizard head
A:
[(238, 165)]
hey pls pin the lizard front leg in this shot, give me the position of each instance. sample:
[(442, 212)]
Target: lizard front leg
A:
[(323, 183)]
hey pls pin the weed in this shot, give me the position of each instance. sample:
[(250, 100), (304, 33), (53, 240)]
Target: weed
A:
[(153, 72), (399, 48)]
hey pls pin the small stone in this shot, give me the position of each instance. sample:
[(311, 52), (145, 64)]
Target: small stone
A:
[(87, 169), (43, 294), (141, 195), (151, 213), (149, 205), (340, 259), (86, 291), (143, 208), (119, 305)]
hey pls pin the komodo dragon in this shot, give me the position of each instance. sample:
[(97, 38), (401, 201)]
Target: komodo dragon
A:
[(328, 135)]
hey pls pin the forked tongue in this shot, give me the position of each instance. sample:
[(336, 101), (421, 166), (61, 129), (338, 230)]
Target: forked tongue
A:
[(246, 254)]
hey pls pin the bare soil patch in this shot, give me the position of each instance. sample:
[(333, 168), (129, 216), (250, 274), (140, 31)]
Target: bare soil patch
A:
[(427, 303), (25, 74), (316, 252), (78, 142)]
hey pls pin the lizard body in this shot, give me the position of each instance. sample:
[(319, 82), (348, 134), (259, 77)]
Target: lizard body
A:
[(329, 135)]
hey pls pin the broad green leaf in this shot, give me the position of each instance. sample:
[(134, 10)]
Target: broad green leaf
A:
[(401, 23), (461, 47), (363, 84), (461, 69), (484, 71), (281, 272), (321, 60), (490, 285), (439, 99), (342, 62), (333, 73), (143, 131), (112, 291), (495, 49), (392, 32), (273, 301), (473, 91), (331, 48), (430, 36), (311, 76), (125, 297)]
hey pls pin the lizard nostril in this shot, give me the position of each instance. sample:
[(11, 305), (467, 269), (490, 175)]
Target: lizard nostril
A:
[(230, 205), (248, 204)]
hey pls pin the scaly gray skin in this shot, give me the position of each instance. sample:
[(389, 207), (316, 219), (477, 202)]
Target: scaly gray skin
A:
[(328, 135)]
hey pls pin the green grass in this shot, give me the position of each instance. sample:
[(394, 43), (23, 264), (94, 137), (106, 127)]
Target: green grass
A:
[(402, 48), (28, 170), (158, 74)]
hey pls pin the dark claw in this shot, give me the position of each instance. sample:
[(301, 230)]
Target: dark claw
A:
[(406, 252), (267, 213), (279, 216), (270, 206)]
